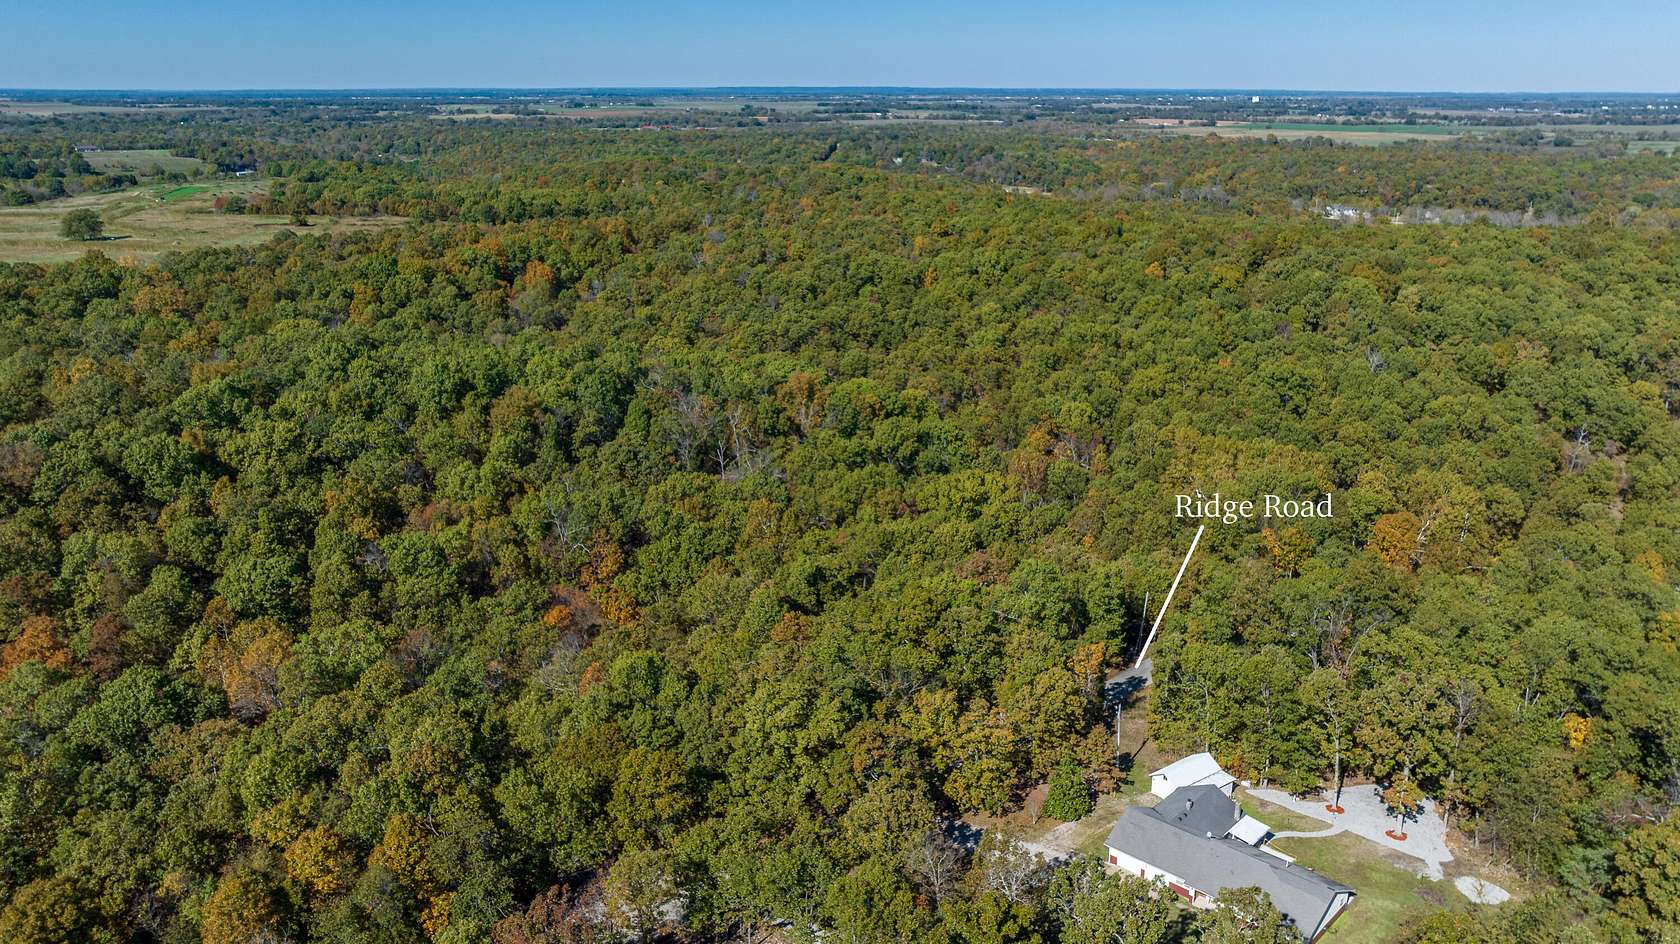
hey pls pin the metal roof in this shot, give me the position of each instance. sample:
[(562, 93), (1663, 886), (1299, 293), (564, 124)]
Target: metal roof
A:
[(1249, 830), (1195, 769), (1191, 769)]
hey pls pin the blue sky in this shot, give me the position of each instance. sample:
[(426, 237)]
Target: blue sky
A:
[(1520, 45)]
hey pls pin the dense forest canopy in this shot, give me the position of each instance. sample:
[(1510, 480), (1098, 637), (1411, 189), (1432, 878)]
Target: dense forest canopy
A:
[(669, 533)]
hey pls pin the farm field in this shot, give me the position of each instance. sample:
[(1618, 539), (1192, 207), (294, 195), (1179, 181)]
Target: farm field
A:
[(1340, 135), (1365, 134), (683, 104), (46, 109), (1389, 127), (652, 108), (1673, 131), (141, 160), (146, 222), (1390, 132)]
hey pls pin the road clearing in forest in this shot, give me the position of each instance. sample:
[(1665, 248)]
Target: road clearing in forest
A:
[(1138, 665)]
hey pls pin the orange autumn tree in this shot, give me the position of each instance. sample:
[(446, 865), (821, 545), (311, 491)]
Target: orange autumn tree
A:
[(1394, 538), (246, 662), (243, 908), (1289, 547), (1086, 663), (606, 561), (803, 399), (38, 640), (320, 860), (403, 851)]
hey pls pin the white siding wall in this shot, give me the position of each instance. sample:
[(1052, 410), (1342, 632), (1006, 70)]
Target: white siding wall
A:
[(1135, 866), (1340, 902), (1131, 865)]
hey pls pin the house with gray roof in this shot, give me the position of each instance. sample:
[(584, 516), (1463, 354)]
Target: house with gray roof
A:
[(1199, 843)]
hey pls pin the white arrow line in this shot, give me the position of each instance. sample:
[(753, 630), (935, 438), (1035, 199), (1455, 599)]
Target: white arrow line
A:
[(1168, 601)]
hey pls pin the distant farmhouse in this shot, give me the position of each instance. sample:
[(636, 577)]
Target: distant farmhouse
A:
[(1342, 213), (1200, 844)]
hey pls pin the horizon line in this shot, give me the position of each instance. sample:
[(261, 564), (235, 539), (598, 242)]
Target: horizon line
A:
[(1040, 89)]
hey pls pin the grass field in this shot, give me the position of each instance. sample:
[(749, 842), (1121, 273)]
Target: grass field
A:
[(1391, 132), (1280, 819), (657, 106), (1383, 128), (181, 193), (1389, 893), (141, 160), (145, 222), (45, 109), (1090, 835), (1332, 132)]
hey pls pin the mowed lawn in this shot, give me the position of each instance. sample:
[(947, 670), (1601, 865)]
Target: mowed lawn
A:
[(146, 222), (1389, 893), (1280, 819)]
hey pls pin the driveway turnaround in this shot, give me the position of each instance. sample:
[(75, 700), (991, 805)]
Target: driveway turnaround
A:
[(1366, 817)]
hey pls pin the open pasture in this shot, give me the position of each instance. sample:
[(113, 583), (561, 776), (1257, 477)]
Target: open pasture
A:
[(141, 160), (146, 222)]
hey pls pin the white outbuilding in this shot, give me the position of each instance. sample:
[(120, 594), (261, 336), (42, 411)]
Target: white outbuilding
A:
[(1197, 770)]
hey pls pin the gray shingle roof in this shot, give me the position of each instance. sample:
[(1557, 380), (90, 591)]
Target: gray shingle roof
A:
[(1199, 810), (1215, 864)]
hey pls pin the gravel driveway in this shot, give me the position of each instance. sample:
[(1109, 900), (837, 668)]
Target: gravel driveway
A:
[(1426, 836)]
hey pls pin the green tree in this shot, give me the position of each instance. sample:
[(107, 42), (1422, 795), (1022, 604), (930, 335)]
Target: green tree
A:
[(1070, 796), (1244, 916), (650, 796), (1445, 928), (47, 911), (1097, 907), (1645, 883), (989, 918), (872, 904), (638, 891), (82, 225)]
